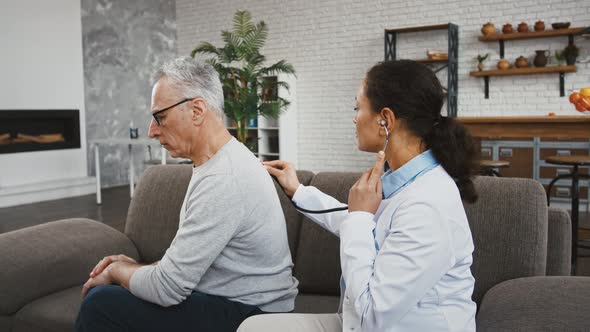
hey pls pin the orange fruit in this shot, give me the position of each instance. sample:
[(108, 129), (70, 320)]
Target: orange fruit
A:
[(584, 102), (574, 97)]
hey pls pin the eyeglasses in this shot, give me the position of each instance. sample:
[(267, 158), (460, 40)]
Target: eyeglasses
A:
[(155, 114)]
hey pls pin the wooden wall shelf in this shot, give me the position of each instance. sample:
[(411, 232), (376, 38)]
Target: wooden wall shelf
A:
[(561, 70), (524, 71), (532, 34), (501, 37), (432, 60), (420, 28)]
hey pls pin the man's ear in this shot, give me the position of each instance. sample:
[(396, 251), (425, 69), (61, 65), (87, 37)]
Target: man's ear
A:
[(198, 108)]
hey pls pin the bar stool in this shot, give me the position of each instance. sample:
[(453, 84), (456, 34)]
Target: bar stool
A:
[(575, 161), (490, 167)]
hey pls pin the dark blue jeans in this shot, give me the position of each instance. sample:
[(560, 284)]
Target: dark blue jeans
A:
[(114, 308)]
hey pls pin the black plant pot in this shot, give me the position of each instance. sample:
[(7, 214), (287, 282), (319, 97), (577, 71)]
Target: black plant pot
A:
[(570, 60)]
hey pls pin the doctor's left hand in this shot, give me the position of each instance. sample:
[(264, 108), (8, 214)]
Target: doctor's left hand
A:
[(365, 194)]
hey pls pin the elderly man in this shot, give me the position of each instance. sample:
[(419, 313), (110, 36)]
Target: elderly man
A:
[(230, 258)]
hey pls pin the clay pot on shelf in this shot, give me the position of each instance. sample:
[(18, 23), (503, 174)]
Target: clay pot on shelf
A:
[(507, 28), (488, 29), (523, 27), (521, 62), (503, 64), (480, 66), (539, 26), (560, 25), (541, 58)]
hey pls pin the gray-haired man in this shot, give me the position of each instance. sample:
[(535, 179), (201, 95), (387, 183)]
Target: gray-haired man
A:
[(229, 259)]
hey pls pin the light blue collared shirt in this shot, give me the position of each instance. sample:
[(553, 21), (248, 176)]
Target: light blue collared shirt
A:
[(393, 182)]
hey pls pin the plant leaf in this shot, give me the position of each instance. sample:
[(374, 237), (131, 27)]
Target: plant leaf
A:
[(241, 69), (207, 48)]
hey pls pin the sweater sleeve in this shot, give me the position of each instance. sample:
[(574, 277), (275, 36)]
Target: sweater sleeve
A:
[(213, 216)]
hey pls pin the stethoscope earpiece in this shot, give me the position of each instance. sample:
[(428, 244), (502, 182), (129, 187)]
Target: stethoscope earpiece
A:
[(383, 123)]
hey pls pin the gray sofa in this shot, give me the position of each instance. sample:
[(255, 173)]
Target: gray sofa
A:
[(521, 262)]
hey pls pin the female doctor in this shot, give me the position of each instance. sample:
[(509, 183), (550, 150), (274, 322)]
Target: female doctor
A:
[(405, 243)]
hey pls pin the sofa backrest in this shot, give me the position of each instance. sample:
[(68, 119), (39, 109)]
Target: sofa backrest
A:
[(292, 217), (559, 243), (508, 224), (153, 215), (317, 263), (509, 227)]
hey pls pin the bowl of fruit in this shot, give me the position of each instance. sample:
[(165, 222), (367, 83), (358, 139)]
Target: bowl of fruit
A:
[(581, 100)]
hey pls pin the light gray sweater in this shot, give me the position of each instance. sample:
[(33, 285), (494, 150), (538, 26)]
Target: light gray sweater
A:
[(231, 240)]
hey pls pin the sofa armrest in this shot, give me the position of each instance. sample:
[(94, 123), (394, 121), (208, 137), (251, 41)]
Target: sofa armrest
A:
[(559, 243), (40, 260), (536, 304)]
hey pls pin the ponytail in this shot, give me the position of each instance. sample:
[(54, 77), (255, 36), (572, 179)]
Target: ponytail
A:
[(455, 149)]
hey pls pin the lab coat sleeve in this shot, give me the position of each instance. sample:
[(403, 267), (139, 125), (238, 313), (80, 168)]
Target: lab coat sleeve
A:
[(311, 198), (388, 283)]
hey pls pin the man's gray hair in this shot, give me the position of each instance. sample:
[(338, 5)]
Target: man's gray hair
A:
[(194, 78)]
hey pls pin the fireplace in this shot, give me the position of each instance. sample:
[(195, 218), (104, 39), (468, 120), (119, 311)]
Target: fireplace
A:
[(39, 130)]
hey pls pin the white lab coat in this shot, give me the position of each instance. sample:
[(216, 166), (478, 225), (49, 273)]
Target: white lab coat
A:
[(413, 273)]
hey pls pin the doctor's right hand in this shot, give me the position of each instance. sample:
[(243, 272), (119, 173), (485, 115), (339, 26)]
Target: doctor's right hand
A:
[(285, 174)]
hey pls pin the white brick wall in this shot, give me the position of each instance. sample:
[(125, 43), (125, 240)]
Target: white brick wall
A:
[(332, 44)]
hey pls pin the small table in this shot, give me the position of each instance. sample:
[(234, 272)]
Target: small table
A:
[(121, 141), (489, 167)]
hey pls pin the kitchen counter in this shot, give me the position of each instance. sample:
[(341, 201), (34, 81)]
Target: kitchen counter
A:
[(559, 127)]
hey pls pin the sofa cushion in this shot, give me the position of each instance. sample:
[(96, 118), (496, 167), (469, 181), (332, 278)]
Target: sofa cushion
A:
[(316, 304), (509, 227), (53, 313), (317, 264), (536, 304), (154, 211)]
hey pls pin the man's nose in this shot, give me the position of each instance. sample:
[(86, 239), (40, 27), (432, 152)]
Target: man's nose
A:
[(153, 130)]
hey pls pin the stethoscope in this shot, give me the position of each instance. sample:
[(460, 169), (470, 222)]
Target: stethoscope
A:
[(343, 208)]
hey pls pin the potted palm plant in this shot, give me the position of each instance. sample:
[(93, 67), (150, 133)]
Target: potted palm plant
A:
[(248, 86)]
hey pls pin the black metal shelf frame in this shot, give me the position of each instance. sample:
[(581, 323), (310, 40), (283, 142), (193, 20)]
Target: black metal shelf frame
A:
[(451, 65)]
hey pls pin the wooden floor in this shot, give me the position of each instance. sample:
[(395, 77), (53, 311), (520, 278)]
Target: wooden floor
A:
[(113, 212)]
